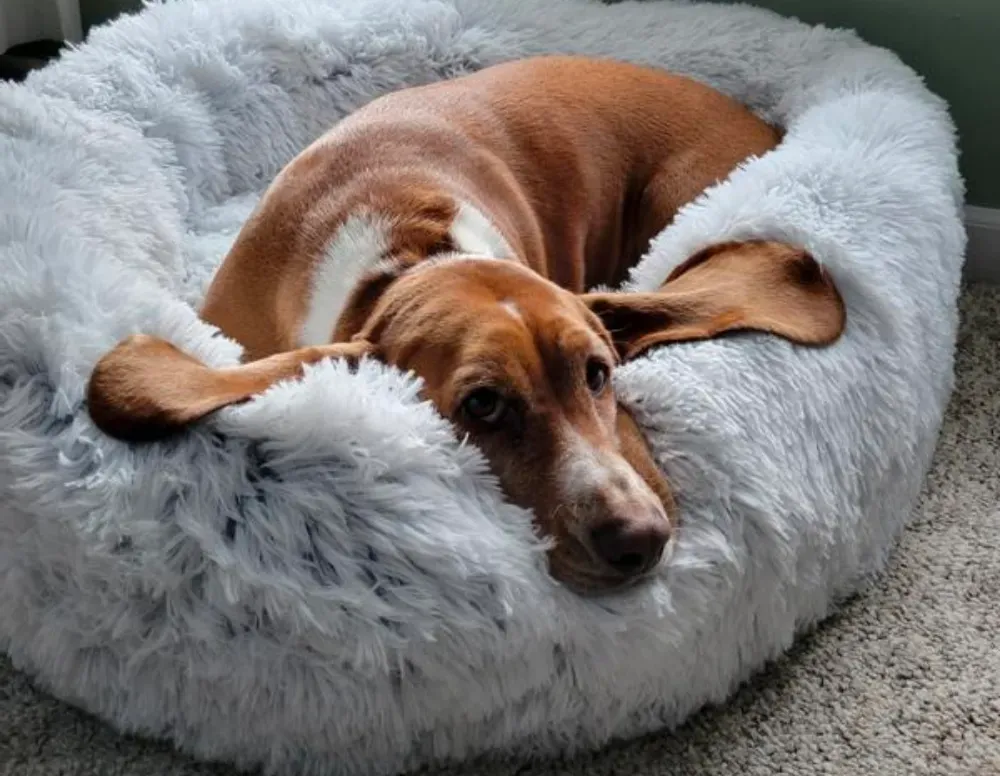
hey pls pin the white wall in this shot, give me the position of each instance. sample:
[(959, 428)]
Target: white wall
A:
[(25, 20)]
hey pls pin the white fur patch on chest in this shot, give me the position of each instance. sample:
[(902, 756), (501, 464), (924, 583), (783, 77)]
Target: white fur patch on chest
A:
[(473, 233), (360, 243)]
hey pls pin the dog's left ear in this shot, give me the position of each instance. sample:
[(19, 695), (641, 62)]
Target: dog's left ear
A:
[(736, 286), (146, 388), (425, 231)]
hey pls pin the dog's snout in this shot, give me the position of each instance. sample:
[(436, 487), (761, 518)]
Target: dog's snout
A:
[(630, 547)]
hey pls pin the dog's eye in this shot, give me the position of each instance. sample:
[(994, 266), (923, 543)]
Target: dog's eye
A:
[(597, 375), (485, 406)]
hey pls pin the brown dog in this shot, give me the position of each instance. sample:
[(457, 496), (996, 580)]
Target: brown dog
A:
[(453, 230)]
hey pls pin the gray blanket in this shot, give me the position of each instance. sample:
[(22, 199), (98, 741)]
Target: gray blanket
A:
[(325, 580)]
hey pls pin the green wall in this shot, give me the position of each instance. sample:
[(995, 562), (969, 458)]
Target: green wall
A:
[(99, 11), (955, 44)]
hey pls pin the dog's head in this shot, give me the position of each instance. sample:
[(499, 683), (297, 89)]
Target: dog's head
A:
[(523, 368)]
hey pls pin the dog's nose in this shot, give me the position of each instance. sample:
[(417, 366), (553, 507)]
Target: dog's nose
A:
[(631, 547)]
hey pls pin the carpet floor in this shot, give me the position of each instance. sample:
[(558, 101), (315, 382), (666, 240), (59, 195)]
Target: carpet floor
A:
[(904, 680)]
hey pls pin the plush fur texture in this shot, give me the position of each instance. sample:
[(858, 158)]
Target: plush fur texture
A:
[(324, 580)]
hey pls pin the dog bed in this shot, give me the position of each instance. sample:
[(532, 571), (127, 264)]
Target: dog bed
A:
[(325, 580)]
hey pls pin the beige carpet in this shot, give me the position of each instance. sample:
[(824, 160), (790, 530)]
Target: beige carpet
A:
[(905, 680)]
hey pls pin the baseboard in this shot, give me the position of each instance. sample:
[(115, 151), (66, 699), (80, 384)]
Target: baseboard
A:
[(982, 257)]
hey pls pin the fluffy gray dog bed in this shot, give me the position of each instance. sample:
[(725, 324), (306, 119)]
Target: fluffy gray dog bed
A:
[(325, 580)]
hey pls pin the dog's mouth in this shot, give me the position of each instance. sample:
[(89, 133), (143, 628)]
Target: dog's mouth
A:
[(599, 586), (576, 570)]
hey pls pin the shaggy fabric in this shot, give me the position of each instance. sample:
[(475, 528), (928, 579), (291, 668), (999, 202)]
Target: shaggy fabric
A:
[(325, 580), (901, 681)]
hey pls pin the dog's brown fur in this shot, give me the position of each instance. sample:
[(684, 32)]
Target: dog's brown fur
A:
[(576, 164)]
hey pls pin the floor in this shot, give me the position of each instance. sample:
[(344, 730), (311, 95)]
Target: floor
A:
[(905, 680)]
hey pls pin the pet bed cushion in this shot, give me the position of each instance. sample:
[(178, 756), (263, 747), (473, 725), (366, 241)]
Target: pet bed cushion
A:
[(325, 580)]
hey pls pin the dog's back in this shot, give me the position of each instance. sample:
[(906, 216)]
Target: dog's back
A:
[(448, 230), (577, 162)]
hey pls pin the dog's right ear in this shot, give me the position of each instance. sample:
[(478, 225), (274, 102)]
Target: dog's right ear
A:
[(357, 317), (146, 388), (754, 285)]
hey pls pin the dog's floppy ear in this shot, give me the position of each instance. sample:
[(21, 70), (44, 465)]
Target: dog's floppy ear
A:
[(146, 388), (425, 230), (357, 318), (735, 286)]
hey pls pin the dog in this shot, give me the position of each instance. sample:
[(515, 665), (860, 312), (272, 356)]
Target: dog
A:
[(453, 230)]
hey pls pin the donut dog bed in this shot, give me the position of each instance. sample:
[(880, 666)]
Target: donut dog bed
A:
[(326, 580)]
